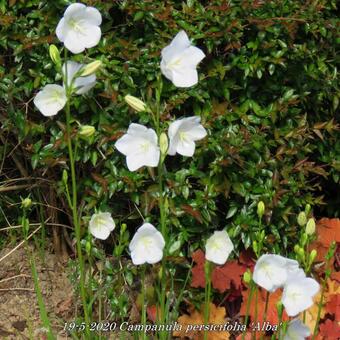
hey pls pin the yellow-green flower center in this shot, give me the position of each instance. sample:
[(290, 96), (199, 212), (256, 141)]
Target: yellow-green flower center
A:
[(75, 25), (183, 136), (146, 241), (145, 146)]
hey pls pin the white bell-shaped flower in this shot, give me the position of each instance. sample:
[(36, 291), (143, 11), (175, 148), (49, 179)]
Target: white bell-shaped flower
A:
[(80, 85), (147, 245), (101, 225), (218, 247), (79, 27), (140, 147), (50, 100), (298, 294), (297, 330), (182, 135), (179, 61), (272, 271)]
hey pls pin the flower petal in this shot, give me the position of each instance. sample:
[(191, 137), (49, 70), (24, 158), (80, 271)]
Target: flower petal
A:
[(90, 35), (184, 77), (101, 234), (154, 256), (93, 16), (84, 84), (61, 31), (74, 9), (177, 45), (190, 57), (73, 43), (186, 148), (50, 100), (173, 146), (137, 257), (126, 144), (197, 133), (72, 68)]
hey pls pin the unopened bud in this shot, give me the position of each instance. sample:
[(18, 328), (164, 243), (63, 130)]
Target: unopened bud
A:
[(255, 247), (90, 68), (123, 228), (302, 219), (88, 247), (137, 104), (26, 203), (260, 209), (54, 54), (307, 209), (247, 276), (310, 227), (65, 177), (304, 239), (313, 255), (301, 253), (296, 248), (86, 131), (163, 143)]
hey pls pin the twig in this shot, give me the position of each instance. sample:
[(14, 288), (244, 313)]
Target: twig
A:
[(36, 224), (16, 187), (14, 277), (13, 289)]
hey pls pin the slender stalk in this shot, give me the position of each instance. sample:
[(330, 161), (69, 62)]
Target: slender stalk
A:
[(74, 201), (255, 316), (279, 312), (265, 310), (163, 306), (328, 271), (252, 286), (143, 303), (207, 297)]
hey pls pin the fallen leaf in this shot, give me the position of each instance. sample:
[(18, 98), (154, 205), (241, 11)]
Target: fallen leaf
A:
[(152, 313), (20, 325), (330, 329), (188, 321), (335, 276), (312, 312), (272, 316), (198, 279), (333, 306), (327, 231), (222, 276), (230, 273)]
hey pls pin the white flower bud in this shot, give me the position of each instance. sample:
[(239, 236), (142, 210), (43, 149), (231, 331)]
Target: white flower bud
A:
[(137, 104), (90, 68)]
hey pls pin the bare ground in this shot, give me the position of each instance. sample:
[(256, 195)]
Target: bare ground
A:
[(19, 310)]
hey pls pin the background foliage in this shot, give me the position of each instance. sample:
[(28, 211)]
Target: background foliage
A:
[(268, 95)]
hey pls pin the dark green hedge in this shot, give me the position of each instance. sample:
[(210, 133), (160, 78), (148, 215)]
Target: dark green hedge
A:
[(268, 95)]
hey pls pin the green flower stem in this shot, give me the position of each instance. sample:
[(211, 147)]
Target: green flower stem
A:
[(315, 331), (328, 272), (255, 316), (252, 288), (207, 270), (74, 207), (163, 306), (280, 312), (143, 302), (265, 310)]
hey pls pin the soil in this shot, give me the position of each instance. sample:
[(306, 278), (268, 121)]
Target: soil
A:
[(19, 309)]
